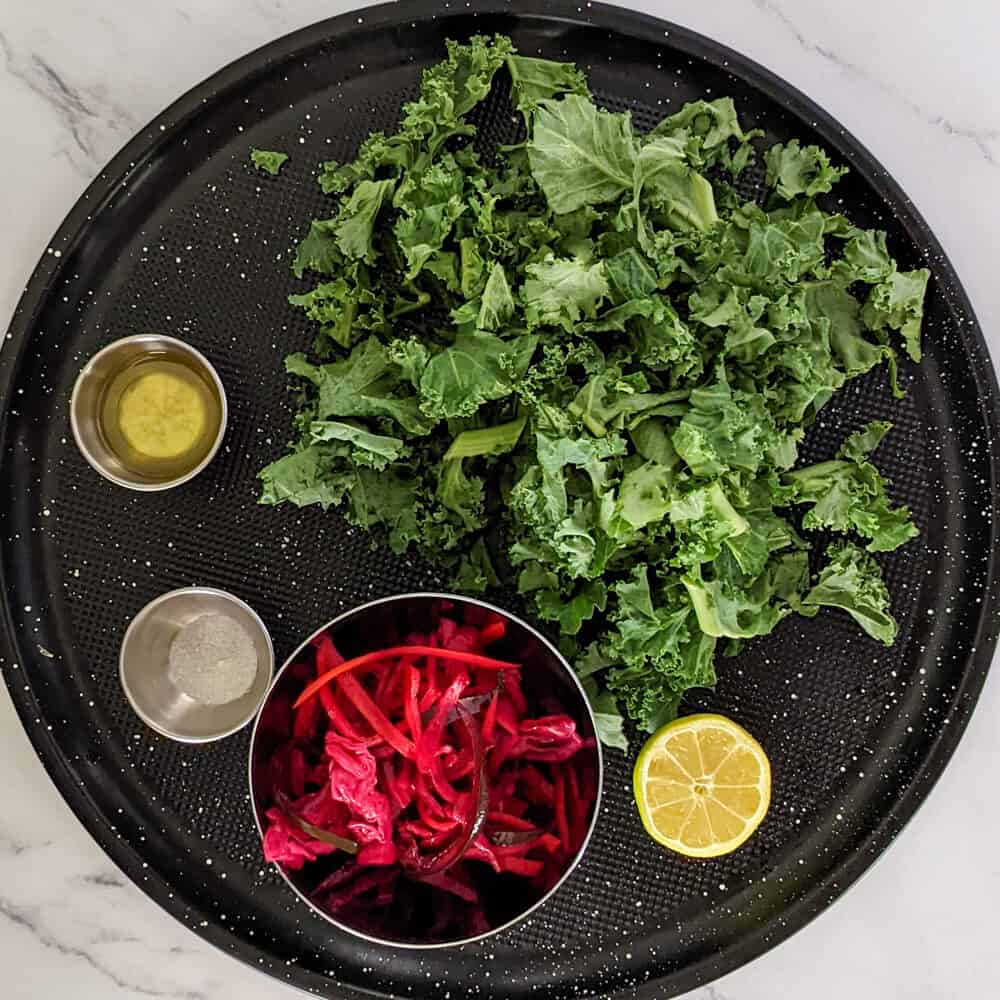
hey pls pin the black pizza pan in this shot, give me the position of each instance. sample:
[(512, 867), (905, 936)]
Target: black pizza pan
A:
[(181, 236)]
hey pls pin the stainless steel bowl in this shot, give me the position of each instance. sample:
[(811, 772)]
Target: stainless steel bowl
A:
[(365, 628), (85, 403), (146, 682)]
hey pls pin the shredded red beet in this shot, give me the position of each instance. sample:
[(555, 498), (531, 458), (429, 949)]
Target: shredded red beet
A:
[(425, 757)]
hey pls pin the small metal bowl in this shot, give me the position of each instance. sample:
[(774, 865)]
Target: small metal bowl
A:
[(142, 666), (88, 393), (546, 676)]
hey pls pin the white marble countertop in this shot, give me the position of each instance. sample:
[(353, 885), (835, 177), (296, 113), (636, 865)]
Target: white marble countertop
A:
[(918, 87)]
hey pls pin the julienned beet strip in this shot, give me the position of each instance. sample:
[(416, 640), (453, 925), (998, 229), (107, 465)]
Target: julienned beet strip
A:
[(394, 652)]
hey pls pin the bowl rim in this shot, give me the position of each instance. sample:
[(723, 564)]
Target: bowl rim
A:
[(162, 599), (139, 338), (599, 750)]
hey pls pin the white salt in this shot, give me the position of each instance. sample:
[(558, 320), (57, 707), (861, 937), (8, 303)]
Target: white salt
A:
[(213, 660)]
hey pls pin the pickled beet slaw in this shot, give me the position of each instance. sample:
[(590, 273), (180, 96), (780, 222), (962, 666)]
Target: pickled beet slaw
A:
[(418, 784)]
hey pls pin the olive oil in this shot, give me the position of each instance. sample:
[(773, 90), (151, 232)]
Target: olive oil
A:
[(160, 415)]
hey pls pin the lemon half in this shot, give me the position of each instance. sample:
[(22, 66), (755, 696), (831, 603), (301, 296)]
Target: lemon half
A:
[(702, 785)]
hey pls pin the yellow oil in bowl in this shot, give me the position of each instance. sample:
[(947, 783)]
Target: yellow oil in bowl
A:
[(160, 415)]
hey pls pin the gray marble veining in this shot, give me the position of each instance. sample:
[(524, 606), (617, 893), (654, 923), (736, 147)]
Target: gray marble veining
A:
[(86, 115), (984, 138), (916, 85)]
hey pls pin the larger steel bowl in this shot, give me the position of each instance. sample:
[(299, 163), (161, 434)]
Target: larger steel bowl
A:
[(545, 672)]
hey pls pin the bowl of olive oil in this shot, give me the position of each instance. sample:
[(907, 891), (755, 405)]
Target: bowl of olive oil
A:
[(148, 412)]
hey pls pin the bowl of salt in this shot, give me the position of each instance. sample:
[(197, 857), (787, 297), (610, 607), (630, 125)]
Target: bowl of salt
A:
[(196, 663)]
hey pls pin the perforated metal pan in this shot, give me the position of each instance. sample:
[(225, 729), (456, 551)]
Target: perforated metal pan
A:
[(180, 236)]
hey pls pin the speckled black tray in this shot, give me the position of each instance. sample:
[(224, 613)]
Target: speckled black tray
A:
[(179, 235)]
